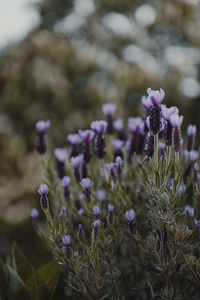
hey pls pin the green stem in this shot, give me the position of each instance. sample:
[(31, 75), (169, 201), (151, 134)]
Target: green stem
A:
[(168, 156), (177, 159)]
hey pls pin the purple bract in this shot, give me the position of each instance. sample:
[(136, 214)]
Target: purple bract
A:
[(156, 96), (99, 127), (109, 109), (43, 189), (42, 126), (60, 154)]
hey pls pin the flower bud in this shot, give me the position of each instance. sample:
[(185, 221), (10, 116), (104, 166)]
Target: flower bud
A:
[(108, 110), (110, 213), (66, 241), (41, 143), (191, 132), (130, 215), (60, 155), (86, 184), (43, 191)]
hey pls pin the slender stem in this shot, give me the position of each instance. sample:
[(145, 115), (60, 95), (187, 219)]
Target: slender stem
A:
[(156, 151), (177, 159), (103, 170), (167, 163), (168, 157)]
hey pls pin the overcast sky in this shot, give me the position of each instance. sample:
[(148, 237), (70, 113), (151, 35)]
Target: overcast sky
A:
[(17, 18)]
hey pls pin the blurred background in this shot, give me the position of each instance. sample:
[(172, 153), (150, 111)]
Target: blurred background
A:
[(60, 60)]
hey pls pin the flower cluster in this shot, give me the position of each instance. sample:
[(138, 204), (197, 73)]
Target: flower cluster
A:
[(124, 206)]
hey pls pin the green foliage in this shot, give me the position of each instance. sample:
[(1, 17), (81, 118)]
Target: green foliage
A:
[(21, 281)]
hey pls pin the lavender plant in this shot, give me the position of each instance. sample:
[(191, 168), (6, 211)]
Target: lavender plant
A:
[(123, 207)]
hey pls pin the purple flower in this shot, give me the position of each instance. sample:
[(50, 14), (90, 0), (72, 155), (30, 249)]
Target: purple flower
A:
[(96, 225), (43, 189), (86, 135), (168, 112), (109, 109), (119, 165), (34, 213), (65, 183), (191, 132), (136, 127), (74, 139), (118, 145), (189, 210), (176, 120), (96, 212), (118, 124), (66, 241), (41, 143), (110, 212), (196, 172), (60, 154), (193, 155), (135, 124), (156, 96), (101, 195), (99, 127), (76, 161), (110, 208), (42, 126), (86, 184), (146, 102), (130, 215)]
